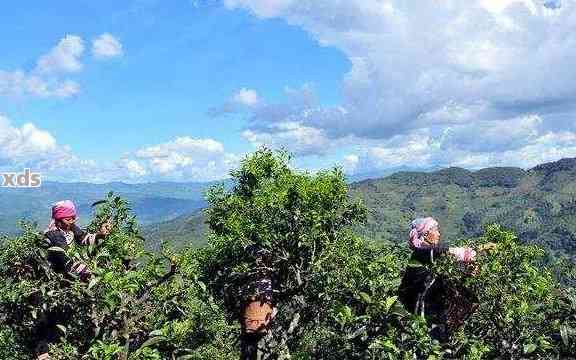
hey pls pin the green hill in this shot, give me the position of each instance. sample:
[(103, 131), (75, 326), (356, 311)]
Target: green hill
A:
[(538, 204), (181, 231)]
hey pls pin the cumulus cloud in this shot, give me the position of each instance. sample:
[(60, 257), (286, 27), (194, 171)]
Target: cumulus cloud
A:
[(64, 57), (26, 142), (48, 78), (300, 140), (182, 159), (279, 125), (472, 79), (350, 163), (132, 168), (494, 136), (106, 46), (19, 84), (428, 149), (414, 150), (35, 148)]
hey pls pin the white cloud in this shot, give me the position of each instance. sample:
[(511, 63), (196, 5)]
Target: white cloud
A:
[(134, 168), (182, 159), (280, 125), (350, 163), (185, 144), (247, 97), (432, 150), (414, 150), (48, 78), (25, 142), (29, 146), (472, 79), (19, 84), (64, 57), (300, 140), (106, 46), (494, 136), (499, 6)]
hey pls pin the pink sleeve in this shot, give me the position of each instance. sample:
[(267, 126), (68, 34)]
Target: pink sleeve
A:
[(464, 254)]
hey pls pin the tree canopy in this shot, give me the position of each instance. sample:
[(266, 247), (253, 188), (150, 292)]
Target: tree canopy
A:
[(334, 292)]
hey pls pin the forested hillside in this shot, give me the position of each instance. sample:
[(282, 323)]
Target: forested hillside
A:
[(538, 204), (185, 230)]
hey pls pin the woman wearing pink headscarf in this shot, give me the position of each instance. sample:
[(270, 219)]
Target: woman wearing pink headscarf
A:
[(424, 239), (421, 291), (62, 232)]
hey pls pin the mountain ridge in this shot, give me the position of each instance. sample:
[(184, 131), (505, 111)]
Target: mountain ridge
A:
[(539, 204)]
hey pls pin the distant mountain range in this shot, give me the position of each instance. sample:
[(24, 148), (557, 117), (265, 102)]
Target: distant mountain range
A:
[(151, 202), (538, 204)]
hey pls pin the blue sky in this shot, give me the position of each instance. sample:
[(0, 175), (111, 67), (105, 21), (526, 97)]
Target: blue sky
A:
[(181, 90)]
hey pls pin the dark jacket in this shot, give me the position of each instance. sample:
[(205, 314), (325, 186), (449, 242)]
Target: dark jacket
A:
[(57, 240), (445, 304), (421, 291)]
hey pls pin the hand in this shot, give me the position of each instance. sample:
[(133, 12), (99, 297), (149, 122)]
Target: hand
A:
[(488, 246), (105, 228), (463, 254)]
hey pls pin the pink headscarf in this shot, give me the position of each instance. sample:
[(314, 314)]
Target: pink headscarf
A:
[(418, 228), (61, 210)]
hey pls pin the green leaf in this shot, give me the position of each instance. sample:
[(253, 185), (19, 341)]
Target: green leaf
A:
[(93, 282), (530, 348), (414, 263), (153, 341), (389, 302), (365, 297), (155, 333)]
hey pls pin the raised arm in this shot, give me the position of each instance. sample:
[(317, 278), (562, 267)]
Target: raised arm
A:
[(83, 237)]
